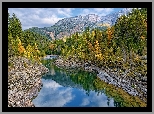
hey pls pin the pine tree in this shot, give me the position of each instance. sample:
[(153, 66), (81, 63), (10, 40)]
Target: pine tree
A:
[(14, 27), (131, 29)]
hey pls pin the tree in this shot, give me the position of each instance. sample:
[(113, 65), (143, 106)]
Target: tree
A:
[(14, 27), (21, 49), (132, 29), (28, 53), (110, 32), (36, 52), (98, 54)]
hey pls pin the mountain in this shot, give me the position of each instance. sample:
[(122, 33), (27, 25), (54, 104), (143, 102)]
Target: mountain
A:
[(68, 26), (111, 18)]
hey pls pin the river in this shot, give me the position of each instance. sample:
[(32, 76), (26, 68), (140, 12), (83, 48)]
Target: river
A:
[(77, 88)]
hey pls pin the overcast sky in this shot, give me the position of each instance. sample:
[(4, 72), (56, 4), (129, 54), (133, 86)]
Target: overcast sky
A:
[(46, 17)]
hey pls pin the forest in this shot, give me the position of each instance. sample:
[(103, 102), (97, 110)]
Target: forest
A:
[(122, 47)]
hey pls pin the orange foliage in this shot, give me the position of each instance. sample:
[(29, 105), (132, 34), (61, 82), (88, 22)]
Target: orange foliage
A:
[(52, 46), (90, 46), (142, 37), (21, 49), (110, 32)]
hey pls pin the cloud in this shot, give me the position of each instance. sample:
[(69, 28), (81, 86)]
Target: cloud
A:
[(51, 84), (46, 17), (65, 11), (97, 11), (95, 100), (50, 20), (56, 96), (40, 17), (101, 100), (85, 102)]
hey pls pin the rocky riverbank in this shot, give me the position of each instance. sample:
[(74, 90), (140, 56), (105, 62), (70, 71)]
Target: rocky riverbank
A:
[(24, 81), (127, 83)]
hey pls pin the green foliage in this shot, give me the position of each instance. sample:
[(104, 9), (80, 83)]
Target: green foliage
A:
[(119, 95), (131, 30), (10, 64), (118, 46), (25, 43), (113, 47), (32, 38), (85, 79), (14, 26)]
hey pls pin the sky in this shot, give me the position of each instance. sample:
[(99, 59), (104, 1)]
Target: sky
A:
[(46, 17), (54, 95)]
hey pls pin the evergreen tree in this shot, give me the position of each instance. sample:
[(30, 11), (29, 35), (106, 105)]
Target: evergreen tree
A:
[(14, 27), (132, 29)]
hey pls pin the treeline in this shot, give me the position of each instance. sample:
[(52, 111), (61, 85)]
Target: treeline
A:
[(120, 47), (25, 43)]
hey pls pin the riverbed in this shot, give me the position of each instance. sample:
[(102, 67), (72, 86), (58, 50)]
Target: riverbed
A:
[(78, 88)]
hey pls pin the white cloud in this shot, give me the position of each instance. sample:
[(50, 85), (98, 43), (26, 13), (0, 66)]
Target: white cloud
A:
[(85, 102), (40, 17), (51, 84), (65, 11), (46, 17), (97, 11), (51, 20), (53, 97), (95, 100)]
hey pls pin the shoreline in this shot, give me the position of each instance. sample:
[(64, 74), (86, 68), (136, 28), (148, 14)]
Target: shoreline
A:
[(24, 81), (128, 84)]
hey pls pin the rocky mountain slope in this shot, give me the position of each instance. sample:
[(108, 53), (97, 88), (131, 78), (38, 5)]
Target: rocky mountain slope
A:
[(68, 26)]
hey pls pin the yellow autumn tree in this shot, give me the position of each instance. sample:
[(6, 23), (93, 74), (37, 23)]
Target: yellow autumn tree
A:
[(110, 32), (97, 51), (52, 46), (93, 34), (64, 39), (21, 48), (28, 52), (36, 52), (90, 47), (32, 52)]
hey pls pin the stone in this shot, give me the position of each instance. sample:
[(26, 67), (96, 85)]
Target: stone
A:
[(122, 81), (21, 80)]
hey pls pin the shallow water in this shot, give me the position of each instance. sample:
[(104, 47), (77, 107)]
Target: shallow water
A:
[(77, 88)]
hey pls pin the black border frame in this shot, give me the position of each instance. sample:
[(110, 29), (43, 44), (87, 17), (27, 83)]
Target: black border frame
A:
[(6, 5)]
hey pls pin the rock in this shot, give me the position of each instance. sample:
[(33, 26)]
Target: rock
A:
[(24, 82), (108, 76), (144, 79)]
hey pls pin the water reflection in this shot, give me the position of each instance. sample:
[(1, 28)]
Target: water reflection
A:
[(95, 100), (53, 95), (52, 71), (77, 88)]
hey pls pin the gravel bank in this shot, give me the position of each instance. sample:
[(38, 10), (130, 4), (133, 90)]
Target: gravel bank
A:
[(127, 83), (24, 81)]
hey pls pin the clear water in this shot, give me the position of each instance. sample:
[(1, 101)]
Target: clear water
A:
[(73, 88)]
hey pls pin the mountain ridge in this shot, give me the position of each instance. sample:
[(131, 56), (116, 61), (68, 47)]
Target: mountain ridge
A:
[(68, 26)]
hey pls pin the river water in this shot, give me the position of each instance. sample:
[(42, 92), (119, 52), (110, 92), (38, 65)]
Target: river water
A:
[(77, 88)]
